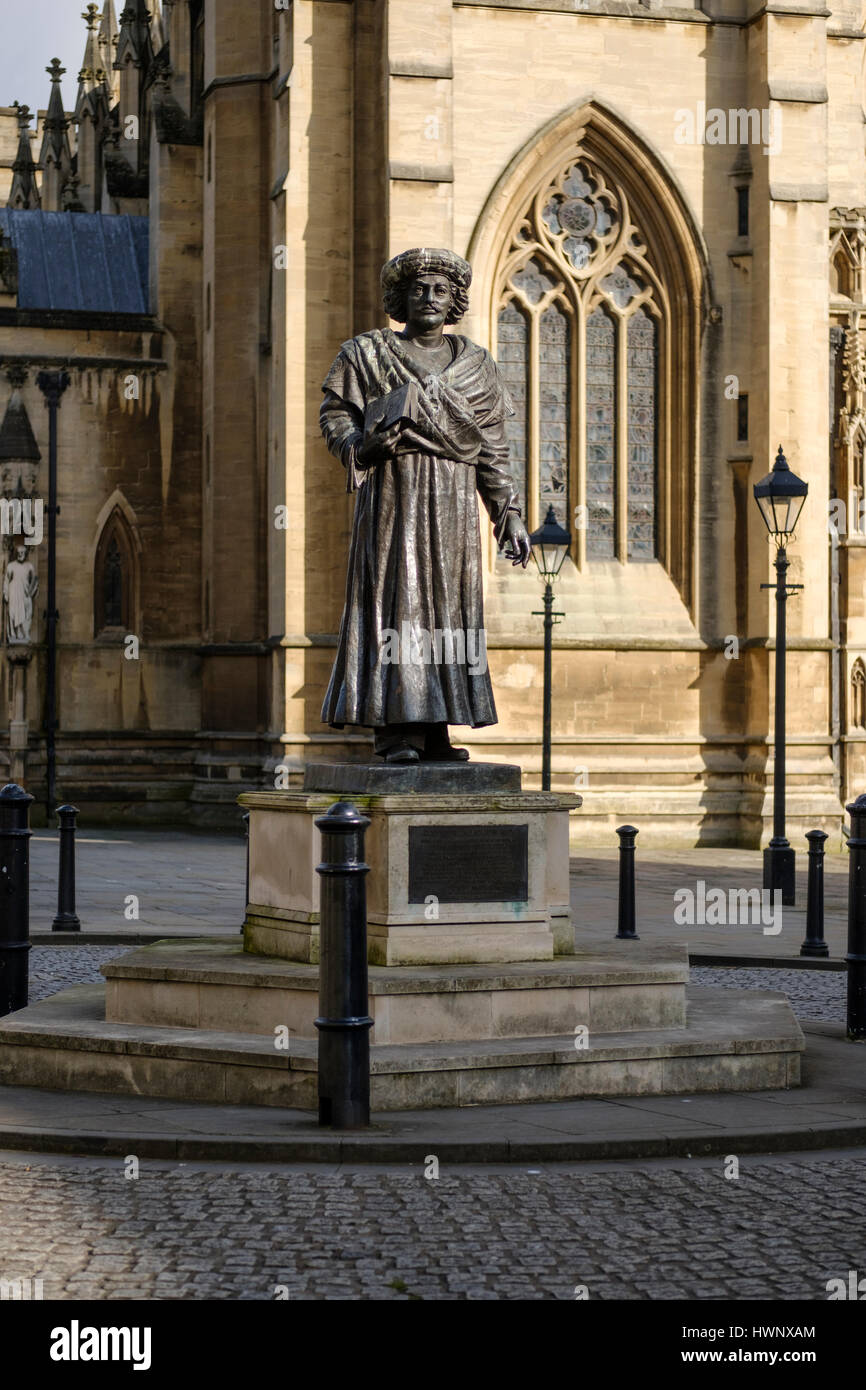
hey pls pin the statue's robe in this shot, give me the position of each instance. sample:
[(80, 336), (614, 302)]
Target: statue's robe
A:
[(20, 587), (415, 556)]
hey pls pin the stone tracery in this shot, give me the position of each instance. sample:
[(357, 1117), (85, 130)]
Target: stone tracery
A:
[(578, 345)]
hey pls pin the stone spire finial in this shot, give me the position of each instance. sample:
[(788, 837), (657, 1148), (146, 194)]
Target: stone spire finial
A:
[(24, 193), (108, 29), (55, 156), (90, 15), (90, 110), (92, 67), (55, 117), (108, 35), (134, 39)]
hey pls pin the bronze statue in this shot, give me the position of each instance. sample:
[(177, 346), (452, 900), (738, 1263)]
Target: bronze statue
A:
[(418, 420)]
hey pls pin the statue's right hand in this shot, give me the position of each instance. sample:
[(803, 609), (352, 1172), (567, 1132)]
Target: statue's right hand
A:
[(379, 446)]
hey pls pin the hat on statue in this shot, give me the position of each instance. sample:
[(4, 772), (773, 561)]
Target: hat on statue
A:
[(425, 260)]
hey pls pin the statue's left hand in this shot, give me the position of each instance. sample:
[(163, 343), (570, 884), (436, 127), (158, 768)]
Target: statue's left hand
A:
[(515, 534)]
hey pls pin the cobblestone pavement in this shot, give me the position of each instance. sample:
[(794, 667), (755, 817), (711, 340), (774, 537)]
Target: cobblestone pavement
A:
[(53, 968), (781, 1230), (819, 995)]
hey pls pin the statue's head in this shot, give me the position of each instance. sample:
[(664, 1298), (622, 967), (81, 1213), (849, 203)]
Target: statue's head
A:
[(426, 276), (21, 553)]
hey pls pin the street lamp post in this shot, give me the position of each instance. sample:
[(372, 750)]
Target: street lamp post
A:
[(550, 545), (780, 497), (52, 385)]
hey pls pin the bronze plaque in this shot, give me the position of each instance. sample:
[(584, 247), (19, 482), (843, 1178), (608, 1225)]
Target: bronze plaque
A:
[(469, 863)]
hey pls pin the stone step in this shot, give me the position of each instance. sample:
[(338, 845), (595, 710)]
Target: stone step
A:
[(213, 984), (734, 1040)]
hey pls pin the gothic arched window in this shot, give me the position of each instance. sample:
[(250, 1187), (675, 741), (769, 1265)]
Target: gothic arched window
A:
[(115, 578), (857, 491), (514, 365), (581, 325), (842, 269), (858, 696), (112, 585)]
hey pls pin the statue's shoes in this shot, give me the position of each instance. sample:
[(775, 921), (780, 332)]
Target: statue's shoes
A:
[(402, 753), (446, 754)]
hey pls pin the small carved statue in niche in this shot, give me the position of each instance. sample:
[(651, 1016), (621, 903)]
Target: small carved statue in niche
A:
[(20, 587)]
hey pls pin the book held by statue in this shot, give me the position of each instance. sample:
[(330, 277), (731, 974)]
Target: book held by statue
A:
[(398, 405)]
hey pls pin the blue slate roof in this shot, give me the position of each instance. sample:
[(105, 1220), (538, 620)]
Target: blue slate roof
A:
[(80, 261)]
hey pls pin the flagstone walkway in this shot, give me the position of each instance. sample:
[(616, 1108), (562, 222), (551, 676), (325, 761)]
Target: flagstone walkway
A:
[(182, 883)]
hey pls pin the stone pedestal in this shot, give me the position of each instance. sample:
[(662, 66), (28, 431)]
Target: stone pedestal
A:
[(467, 902), (197, 1020), (465, 867)]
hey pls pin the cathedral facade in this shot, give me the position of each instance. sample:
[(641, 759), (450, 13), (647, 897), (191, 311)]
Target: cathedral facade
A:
[(664, 207)]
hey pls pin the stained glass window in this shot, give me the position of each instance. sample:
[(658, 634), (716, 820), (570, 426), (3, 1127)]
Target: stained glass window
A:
[(858, 696), (534, 281), (578, 334), (114, 576), (855, 522), (514, 366), (112, 580), (641, 436), (553, 380), (600, 435)]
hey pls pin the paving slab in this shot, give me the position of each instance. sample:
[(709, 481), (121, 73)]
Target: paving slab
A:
[(805, 1119), (193, 883), (743, 1111), (184, 882), (661, 873)]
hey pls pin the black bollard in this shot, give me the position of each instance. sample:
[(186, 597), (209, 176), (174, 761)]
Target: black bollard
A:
[(246, 820), (856, 957), (814, 944), (66, 919), (344, 1022), (14, 897), (626, 927)]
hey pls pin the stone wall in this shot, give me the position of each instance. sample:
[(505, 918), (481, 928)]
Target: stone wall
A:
[(662, 726), (337, 134)]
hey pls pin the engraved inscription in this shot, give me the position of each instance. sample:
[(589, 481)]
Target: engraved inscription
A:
[(469, 863)]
